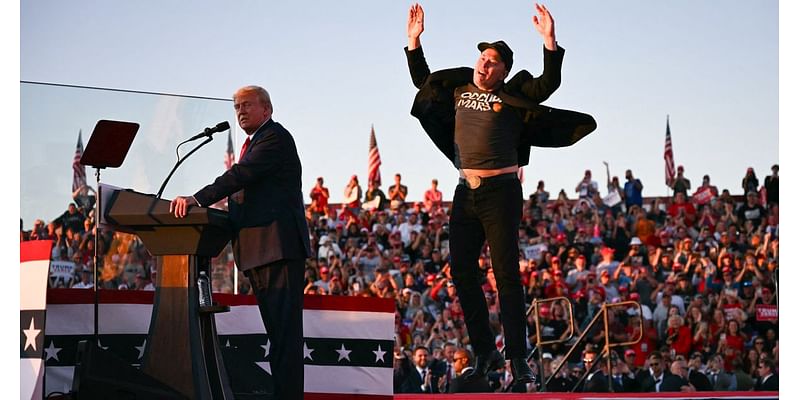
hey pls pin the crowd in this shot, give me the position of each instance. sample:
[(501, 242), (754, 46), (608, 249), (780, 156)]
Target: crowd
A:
[(702, 264)]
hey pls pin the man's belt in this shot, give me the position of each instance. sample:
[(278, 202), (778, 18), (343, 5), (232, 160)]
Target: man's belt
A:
[(474, 181)]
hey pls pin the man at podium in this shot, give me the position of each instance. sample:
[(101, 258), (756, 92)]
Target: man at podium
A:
[(270, 241)]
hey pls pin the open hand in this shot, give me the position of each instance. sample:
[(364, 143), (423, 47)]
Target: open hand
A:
[(545, 25), (416, 21)]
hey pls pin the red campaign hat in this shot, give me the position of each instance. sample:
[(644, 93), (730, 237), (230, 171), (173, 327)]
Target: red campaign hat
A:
[(561, 237), (726, 270), (601, 291), (396, 259), (677, 267), (556, 271), (630, 352), (607, 250), (430, 278), (544, 309), (623, 288), (555, 259), (323, 270), (634, 296), (582, 257)]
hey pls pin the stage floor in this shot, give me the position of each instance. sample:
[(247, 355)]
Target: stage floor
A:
[(587, 396)]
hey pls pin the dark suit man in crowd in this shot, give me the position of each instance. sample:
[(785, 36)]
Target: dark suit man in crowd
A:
[(657, 378), (416, 375), (768, 379), (720, 380), (479, 121), (696, 378), (681, 369), (461, 365), (270, 241)]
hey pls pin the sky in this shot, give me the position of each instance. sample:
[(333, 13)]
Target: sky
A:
[(336, 69)]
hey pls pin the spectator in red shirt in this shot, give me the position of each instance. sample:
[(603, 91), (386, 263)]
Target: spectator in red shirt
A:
[(732, 338), (433, 197), (682, 211), (319, 198), (679, 336)]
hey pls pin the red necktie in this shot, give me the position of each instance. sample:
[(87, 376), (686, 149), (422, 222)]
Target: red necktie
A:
[(244, 148)]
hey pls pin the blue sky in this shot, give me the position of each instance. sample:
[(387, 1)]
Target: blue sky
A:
[(335, 69)]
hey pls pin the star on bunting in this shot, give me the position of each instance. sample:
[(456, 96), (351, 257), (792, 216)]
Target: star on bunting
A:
[(30, 336), (344, 354), (307, 352), (141, 348), (52, 351), (379, 354)]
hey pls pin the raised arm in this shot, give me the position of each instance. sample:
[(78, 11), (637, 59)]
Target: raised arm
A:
[(540, 88), (416, 25), (546, 27), (417, 65)]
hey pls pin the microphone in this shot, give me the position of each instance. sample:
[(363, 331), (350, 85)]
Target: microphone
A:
[(221, 127)]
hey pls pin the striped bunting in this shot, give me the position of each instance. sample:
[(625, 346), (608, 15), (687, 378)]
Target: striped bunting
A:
[(34, 264), (348, 340)]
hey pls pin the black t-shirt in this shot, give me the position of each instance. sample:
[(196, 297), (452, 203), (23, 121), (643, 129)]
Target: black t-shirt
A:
[(487, 132), (755, 213)]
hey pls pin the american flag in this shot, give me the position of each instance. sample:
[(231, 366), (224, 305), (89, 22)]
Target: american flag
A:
[(669, 160), (78, 170), (229, 156), (374, 173)]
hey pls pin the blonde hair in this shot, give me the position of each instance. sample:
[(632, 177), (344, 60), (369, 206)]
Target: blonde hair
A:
[(260, 92)]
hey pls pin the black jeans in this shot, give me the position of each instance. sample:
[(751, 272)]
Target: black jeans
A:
[(492, 213), (279, 290)]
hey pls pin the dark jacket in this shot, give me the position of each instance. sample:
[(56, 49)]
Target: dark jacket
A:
[(699, 381), (461, 385), (408, 379), (434, 105), (722, 382), (266, 202), (771, 384), (671, 383), (629, 384)]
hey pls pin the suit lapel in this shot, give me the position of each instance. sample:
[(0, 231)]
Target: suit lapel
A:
[(260, 134)]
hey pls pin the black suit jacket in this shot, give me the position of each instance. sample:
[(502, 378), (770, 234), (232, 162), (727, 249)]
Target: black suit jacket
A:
[(670, 383), (408, 379), (699, 381), (596, 383), (265, 200), (770, 384), (629, 385), (461, 385), (434, 105)]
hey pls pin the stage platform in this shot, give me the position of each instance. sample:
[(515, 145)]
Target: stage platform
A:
[(595, 396)]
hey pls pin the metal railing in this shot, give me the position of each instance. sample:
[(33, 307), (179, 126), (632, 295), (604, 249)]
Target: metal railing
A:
[(606, 348)]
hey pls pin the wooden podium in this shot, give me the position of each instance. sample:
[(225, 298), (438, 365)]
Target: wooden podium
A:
[(182, 348)]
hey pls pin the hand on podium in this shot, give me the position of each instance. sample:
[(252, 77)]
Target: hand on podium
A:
[(180, 204)]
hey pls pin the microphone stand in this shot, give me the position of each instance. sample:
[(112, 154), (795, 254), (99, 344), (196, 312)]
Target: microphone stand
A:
[(209, 138)]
